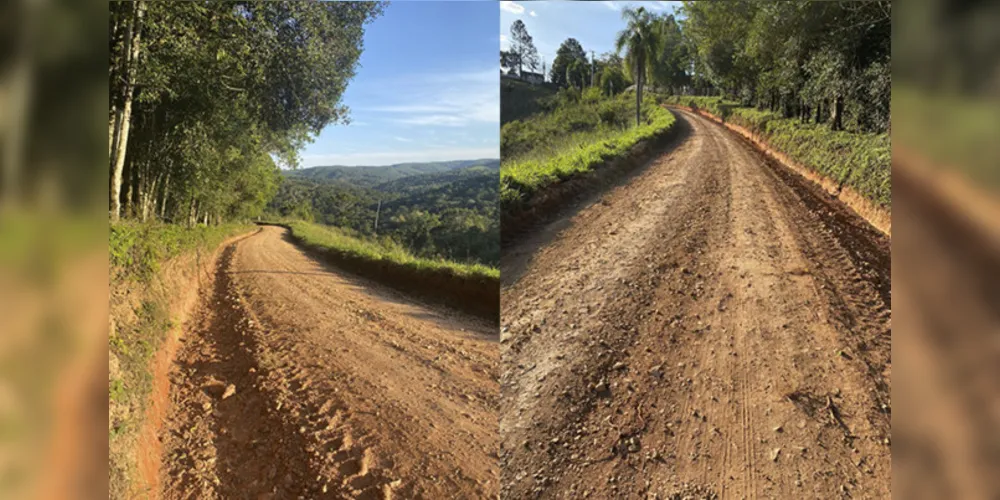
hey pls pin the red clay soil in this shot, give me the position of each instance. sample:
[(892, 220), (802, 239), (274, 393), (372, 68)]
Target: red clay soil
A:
[(299, 380), (716, 328), (876, 215)]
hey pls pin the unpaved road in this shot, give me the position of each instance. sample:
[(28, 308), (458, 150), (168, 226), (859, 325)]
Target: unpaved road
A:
[(713, 328), (340, 388)]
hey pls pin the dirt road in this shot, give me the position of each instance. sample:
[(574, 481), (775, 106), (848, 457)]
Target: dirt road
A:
[(713, 328), (299, 381)]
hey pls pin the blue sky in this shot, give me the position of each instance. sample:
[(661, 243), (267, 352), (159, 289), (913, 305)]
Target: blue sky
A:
[(427, 89), (593, 24)]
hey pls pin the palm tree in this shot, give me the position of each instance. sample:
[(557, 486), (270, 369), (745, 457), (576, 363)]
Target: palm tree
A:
[(640, 38)]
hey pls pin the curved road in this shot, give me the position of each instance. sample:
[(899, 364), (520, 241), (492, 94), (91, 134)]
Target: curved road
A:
[(714, 328), (297, 380)]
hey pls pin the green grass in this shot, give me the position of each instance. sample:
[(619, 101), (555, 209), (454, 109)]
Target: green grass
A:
[(137, 249), (859, 160), (581, 134), (347, 245), (136, 254)]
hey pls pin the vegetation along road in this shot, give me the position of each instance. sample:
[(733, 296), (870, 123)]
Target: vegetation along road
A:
[(297, 380), (713, 327)]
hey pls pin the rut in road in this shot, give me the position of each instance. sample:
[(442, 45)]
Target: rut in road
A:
[(715, 328), (298, 380)]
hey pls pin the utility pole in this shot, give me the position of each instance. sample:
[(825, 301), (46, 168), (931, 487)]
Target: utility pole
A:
[(377, 210)]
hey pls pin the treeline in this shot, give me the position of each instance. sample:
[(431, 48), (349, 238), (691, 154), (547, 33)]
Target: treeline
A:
[(826, 62), (448, 215), (205, 98)]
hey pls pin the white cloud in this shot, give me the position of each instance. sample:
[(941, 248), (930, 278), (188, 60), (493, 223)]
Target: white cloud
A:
[(443, 99), (402, 139), (512, 7), (503, 38), (533, 14), (392, 157), (612, 5)]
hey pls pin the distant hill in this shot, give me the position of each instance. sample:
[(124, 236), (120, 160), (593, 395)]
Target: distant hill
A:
[(437, 209), (373, 176)]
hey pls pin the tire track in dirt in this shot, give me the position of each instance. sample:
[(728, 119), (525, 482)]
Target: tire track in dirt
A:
[(298, 380), (713, 328)]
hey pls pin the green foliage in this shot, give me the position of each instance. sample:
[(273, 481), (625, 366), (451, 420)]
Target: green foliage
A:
[(222, 90), (136, 250), (570, 67), (859, 160), (519, 100), (821, 61), (449, 214), (381, 250), (573, 139)]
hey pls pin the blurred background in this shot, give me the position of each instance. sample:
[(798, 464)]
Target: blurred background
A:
[(946, 227), (53, 249)]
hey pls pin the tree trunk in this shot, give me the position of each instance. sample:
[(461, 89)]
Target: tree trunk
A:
[(166, 193), (124, 117), (837, 112), (638, 93), (192, 213)]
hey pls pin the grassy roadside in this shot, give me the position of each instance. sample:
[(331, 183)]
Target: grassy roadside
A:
[(334, 240), (473, 288), (580, 135), (858, 160), (141, 301)]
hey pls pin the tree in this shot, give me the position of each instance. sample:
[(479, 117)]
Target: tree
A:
[(523, 47), (510, 60), (569, 52), (206, 96), (126, 36), (822, 61), (673, 59), (641, 42)]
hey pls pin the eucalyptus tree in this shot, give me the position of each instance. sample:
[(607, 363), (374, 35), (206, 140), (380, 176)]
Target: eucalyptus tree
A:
[(217, 93)]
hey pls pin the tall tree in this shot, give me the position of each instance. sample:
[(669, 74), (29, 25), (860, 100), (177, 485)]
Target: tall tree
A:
[(522, 45), (673, 60), (641, 42), (213, 93), (569, 52), (126, 36)]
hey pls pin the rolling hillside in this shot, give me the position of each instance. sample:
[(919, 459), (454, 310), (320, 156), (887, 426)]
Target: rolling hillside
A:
[(368, 176)]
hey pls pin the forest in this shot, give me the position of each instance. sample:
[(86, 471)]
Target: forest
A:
[(443, 210), (207, 100)]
